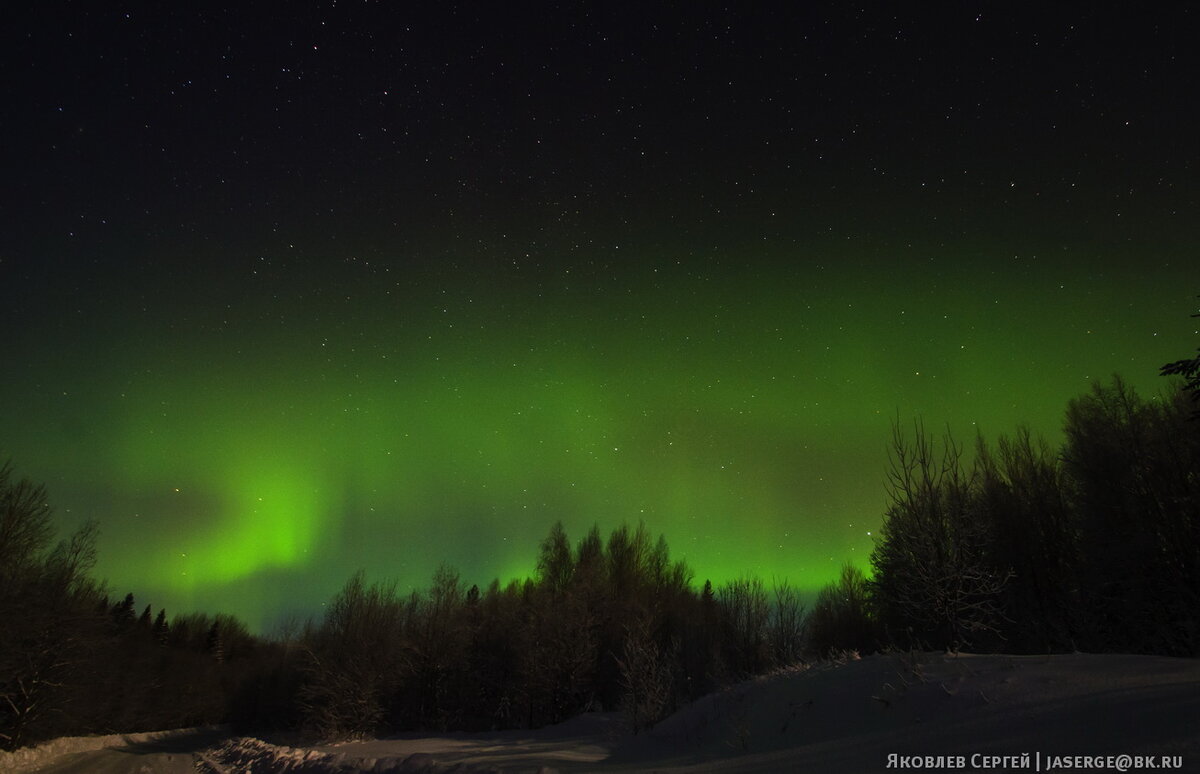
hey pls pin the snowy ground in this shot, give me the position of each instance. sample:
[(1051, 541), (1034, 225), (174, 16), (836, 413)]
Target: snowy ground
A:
[(829, 718), (155, 752)]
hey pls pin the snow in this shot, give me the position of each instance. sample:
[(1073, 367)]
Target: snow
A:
[(30, 758), (254, 756), (831, 717), (851, 716), (583, 741)]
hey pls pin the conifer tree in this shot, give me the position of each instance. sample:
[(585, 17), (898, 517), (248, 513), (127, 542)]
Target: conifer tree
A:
[(122, 612), (1189, 369), (214, 643), (162, 630)]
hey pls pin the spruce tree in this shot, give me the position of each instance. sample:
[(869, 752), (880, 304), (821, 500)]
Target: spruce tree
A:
[(162, 631)]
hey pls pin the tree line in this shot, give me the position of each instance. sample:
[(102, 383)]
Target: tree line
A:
[(1016, 547), (1094, 546), (74, 661), (606, 623)]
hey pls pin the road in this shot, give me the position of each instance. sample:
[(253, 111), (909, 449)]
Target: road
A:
[(174, 755)]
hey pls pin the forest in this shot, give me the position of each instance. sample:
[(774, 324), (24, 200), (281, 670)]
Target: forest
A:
[(1006, 546)]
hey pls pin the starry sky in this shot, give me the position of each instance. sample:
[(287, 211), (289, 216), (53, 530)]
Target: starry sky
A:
[(374, 285)]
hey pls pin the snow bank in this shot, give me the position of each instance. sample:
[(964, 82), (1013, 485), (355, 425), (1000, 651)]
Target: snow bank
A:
[(254, 756), (31, 757), (851, 716)]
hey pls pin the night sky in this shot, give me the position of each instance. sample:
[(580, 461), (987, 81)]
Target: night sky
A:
[(284, 295)]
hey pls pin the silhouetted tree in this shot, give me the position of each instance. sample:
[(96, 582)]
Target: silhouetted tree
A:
[(934, 582), (1134, 475), (494, 655), (214, 643), (162, 629), (1189, 369), (646, 675), (25, 529), (1023, 499), (702, 645), (786, 629), (437, 648), (122, 612), (46, 604), (842, 618), (352, 662), (745, 616), (559, 656), (73, 663), (555, 565)]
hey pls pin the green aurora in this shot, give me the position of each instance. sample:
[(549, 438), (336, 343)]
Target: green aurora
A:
[(250, 455), (387, 285)]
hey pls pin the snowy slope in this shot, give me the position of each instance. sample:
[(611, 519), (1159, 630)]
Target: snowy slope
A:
[(846, 717), (850, 717)]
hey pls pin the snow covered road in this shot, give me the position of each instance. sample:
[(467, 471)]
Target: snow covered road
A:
[(173, 754)]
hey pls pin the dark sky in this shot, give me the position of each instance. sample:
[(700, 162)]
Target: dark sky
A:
[(289, 293)]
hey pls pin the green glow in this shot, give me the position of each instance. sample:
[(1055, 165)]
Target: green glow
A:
[(252, 458)]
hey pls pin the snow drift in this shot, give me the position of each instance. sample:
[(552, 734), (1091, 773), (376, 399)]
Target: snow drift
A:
[(833, 717)]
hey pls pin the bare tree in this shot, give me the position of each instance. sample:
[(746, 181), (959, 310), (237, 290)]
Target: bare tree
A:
[(46, 603), (646, 675), (1023, 498), (842, 618), (25, 529), (787, 624), (352, 661), (1133, 469), (559, 657), (932, 576), (746, 613)]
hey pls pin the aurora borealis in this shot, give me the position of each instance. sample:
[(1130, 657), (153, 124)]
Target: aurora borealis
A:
[(380, 288)]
